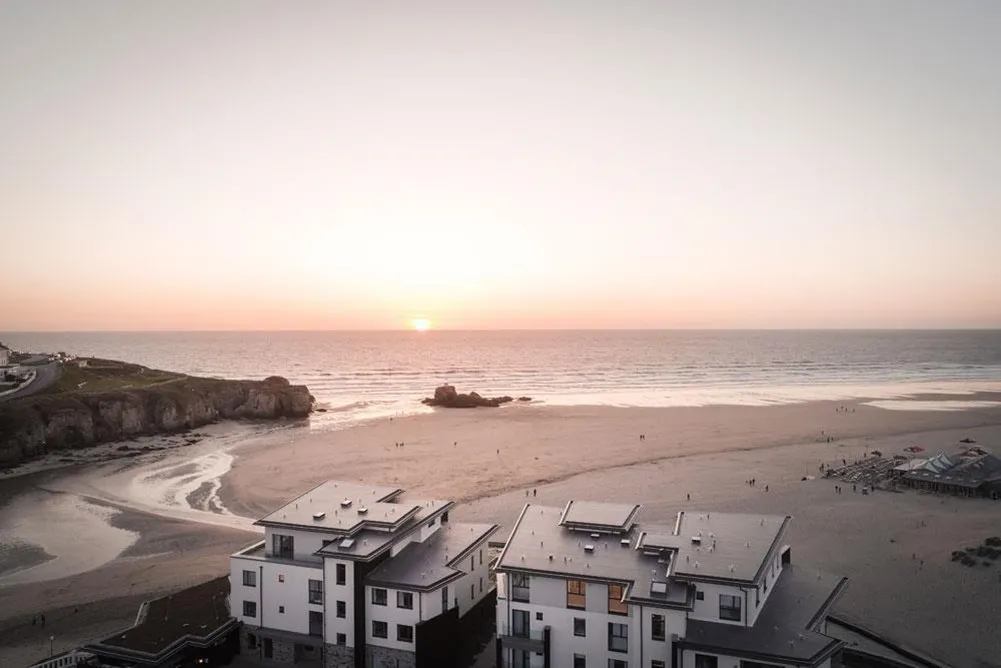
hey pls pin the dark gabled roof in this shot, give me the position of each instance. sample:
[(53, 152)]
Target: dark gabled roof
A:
[(783, 631)]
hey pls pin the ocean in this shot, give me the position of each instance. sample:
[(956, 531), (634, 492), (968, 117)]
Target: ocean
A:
[(365, 375)]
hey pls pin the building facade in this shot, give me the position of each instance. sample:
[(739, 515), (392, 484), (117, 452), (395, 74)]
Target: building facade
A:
[(585, 586), (351, 575)]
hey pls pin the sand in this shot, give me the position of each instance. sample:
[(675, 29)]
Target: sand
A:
[(488, 459)]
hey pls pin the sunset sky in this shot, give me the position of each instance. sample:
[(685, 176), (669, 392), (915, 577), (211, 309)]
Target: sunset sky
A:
[(518, 164)]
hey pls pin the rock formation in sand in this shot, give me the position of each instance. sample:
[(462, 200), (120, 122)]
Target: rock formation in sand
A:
[(34, 425), (446, 397)]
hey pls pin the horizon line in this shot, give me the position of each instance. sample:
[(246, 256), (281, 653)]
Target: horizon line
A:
[(505, 329)]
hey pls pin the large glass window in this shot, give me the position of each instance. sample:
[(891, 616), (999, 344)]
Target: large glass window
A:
[(616, 606), (520, 584), (249, 609), (342, 575), (405, 600), (342, 609), (618, 637), (316, 592), (380, 629), (404, 633), (521, 658), (706, 661), (380, 597), (519, 623), (580, 627), (249, 579), (576, 594), (729, 607), (658, 627), (282, 546)]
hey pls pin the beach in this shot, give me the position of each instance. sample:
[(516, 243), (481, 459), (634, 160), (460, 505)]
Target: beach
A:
[(895, 547)]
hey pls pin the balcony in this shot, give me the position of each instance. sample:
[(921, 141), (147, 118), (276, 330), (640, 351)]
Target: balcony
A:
[(530, 640)]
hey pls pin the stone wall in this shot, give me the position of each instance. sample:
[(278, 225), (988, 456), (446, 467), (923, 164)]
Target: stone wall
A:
[(252, 644), (338, 656), (384, 657)]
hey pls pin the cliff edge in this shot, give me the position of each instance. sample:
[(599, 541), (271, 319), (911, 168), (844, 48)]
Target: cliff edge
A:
[(77, 418)]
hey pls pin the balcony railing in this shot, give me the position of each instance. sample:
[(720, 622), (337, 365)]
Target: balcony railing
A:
[(511, 631)]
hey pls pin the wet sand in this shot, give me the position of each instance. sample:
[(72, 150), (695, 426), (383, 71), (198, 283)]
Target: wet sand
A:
[(187, 522)]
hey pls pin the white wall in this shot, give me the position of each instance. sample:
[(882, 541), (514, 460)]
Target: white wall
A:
[(708, 609), (675, 622), (332, 592), (305, 543), (271, 595), (480, 573), (392, 615)]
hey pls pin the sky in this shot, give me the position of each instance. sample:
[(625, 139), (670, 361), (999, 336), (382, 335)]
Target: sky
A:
[(183, 165)]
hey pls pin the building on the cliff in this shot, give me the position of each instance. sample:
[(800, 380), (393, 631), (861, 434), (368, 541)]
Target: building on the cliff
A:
[(4, 355), (355, 575), (585, 586)]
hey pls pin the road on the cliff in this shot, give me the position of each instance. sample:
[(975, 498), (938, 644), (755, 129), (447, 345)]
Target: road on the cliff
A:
[(45, 376)]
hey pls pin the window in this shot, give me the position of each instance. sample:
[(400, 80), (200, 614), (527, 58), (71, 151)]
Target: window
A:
[(342, 639), (472, 562), (472, 590), (380, 597), (249, 609), (249, 579), (615, 604), (315, 623), (444, 599), (579, 661), (617, 663), (405, 600), (342, 576), (316, 592), (618, 637), (520, 587), (657, 664), (700, 595), (281, 609), (538, 616), (706, 661), (281, 577), (282, 546), (481, 557), (481, 585), (580, 627), (431, 524), (342, 609), (519, 623), (658, 627), (576, 594), (729, 607), (404, 633), (521, 659), (380, 629), (757, 597)]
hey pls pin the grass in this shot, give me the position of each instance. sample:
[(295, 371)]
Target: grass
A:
[(108, 376)]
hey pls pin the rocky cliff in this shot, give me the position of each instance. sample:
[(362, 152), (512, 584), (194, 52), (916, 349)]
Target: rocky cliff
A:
[(37, 424), (446, 396)]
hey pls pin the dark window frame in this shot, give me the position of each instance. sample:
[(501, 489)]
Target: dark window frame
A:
[(380, 596), (341, 574), (616, 606), (576, 594), (250, 609), (400, 633), (249, 581), (655, 622), (618, 637), (402, 601), (583, 627), (383, 626), (727, 612), (315, 592), (283, 546)]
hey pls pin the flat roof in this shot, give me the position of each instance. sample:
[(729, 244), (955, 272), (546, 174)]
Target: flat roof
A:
[(799, 599), (436, 561), (592, 515), (540, 544), (341, 507), (366, 543), (193, 615), (726, 546)]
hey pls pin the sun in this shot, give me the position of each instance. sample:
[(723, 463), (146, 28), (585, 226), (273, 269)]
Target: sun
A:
[(421, 324)]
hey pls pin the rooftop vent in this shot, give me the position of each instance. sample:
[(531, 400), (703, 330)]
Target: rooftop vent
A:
[(658, 587), (346, 503), (362, 510), (589, 548), (319, 516), (696, 540), (624, 542), (347, 543), (596, 536)]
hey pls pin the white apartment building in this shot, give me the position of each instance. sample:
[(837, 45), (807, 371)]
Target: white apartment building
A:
[(350, 575), (586, 586)]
